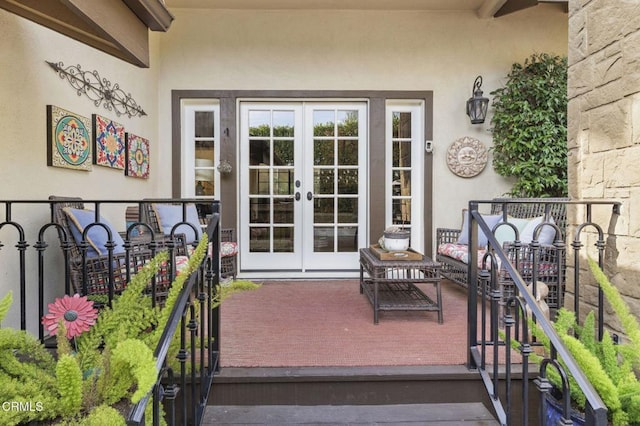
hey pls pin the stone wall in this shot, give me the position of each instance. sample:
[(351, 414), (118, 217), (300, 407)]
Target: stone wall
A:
[(604, 132)]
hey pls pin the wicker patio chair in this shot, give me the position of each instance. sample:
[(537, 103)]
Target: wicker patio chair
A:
[(91, 275), (228, 242), (550, 260)]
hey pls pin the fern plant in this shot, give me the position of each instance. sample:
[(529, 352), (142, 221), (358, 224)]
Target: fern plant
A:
[(610, 368)]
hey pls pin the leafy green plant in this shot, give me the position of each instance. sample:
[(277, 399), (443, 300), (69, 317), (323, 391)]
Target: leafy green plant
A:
[(529, 127), (609, 367)]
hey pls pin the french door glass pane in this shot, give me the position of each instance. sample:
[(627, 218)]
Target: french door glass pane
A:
[(259, 123), (348, 210), (347, 123), (323, 123), (283, 239), (259, 153), (323, 239), (283, 124), (323, 181), (260, 210), (323, 152), (347, 181), (283, 210), (259, 182), (283, 181), (259, 239), (323, 210), (347, 239), (283, 152), (347, 152)]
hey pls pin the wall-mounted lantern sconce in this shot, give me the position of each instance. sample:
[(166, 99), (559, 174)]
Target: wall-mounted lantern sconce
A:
[(477, 104)]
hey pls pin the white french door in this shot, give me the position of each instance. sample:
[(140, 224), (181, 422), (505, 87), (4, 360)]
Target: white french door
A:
[(303, 185)]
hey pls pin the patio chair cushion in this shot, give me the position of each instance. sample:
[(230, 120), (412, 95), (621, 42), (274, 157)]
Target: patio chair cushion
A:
[(491, 220), (547, 233), (228, 248), (459, 252), (169, 215), (97, 236), (504, 233)]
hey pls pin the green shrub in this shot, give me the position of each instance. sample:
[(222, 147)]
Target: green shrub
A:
[(529, 127)]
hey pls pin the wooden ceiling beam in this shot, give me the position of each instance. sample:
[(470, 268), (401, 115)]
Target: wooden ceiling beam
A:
[(117, 27)]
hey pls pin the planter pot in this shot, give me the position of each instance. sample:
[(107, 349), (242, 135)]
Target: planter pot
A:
[(397, 240), (555, 411)]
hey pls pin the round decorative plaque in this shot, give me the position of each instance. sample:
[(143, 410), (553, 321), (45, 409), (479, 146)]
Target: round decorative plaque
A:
[(467, 157)]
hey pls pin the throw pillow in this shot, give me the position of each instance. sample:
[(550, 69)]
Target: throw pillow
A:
[(546, 235), (505, 233), (96, 236), (170, 215), (491, 221)]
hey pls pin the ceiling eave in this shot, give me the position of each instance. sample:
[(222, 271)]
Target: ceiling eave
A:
[(117, 27)]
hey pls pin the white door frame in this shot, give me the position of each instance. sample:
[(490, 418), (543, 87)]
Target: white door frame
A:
[(309, 263)]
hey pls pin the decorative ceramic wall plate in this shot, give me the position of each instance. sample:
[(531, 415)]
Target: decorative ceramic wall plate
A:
[(467, 157)]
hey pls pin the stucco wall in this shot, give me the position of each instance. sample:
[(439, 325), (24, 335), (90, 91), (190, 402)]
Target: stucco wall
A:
[(604, 126), (27, 85), (364, 50)]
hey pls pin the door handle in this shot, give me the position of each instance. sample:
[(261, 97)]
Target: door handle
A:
[(298, 196), (309, 196)]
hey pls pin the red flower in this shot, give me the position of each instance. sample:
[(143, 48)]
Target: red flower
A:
[(77, 313)]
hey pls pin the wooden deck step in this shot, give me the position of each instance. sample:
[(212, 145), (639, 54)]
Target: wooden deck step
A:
[(446, 414)]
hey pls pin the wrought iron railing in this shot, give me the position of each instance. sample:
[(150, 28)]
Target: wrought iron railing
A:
[(38, 264), (501, 310)]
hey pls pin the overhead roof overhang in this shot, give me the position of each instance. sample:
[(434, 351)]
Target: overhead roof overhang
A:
[(117, 27), (511, 6)]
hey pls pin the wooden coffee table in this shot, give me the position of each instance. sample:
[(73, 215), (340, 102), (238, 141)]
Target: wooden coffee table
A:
[(390, 285)]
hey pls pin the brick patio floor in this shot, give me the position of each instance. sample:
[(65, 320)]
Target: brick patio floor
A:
[(329, 323)]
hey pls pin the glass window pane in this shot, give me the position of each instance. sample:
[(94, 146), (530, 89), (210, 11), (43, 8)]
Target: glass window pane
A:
[(401, 212), (347, 181), (204, 124), (283, 210), (282, 182), (259, 182), (323, 210), (323, 239), (401, 183), (347, 239), (283, 124), (347, 210), (205, 151), (259, 123), (259, 239), (323, 181), (323, 123), (348, 152), (323, 153), (260, 209), (401, 154), (283, 153), (283, 239), (259, 153), (347, 123), (401, 124), (204, 187)]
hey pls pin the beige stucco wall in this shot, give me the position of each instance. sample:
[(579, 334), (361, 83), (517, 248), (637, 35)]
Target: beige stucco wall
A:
[(27, 85), (604, 126), (364, 50)]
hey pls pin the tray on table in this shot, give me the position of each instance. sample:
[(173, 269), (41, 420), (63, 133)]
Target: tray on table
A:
[(382, 254)]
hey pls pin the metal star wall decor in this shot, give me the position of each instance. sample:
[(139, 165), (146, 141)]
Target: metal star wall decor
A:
[(99, 90)]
